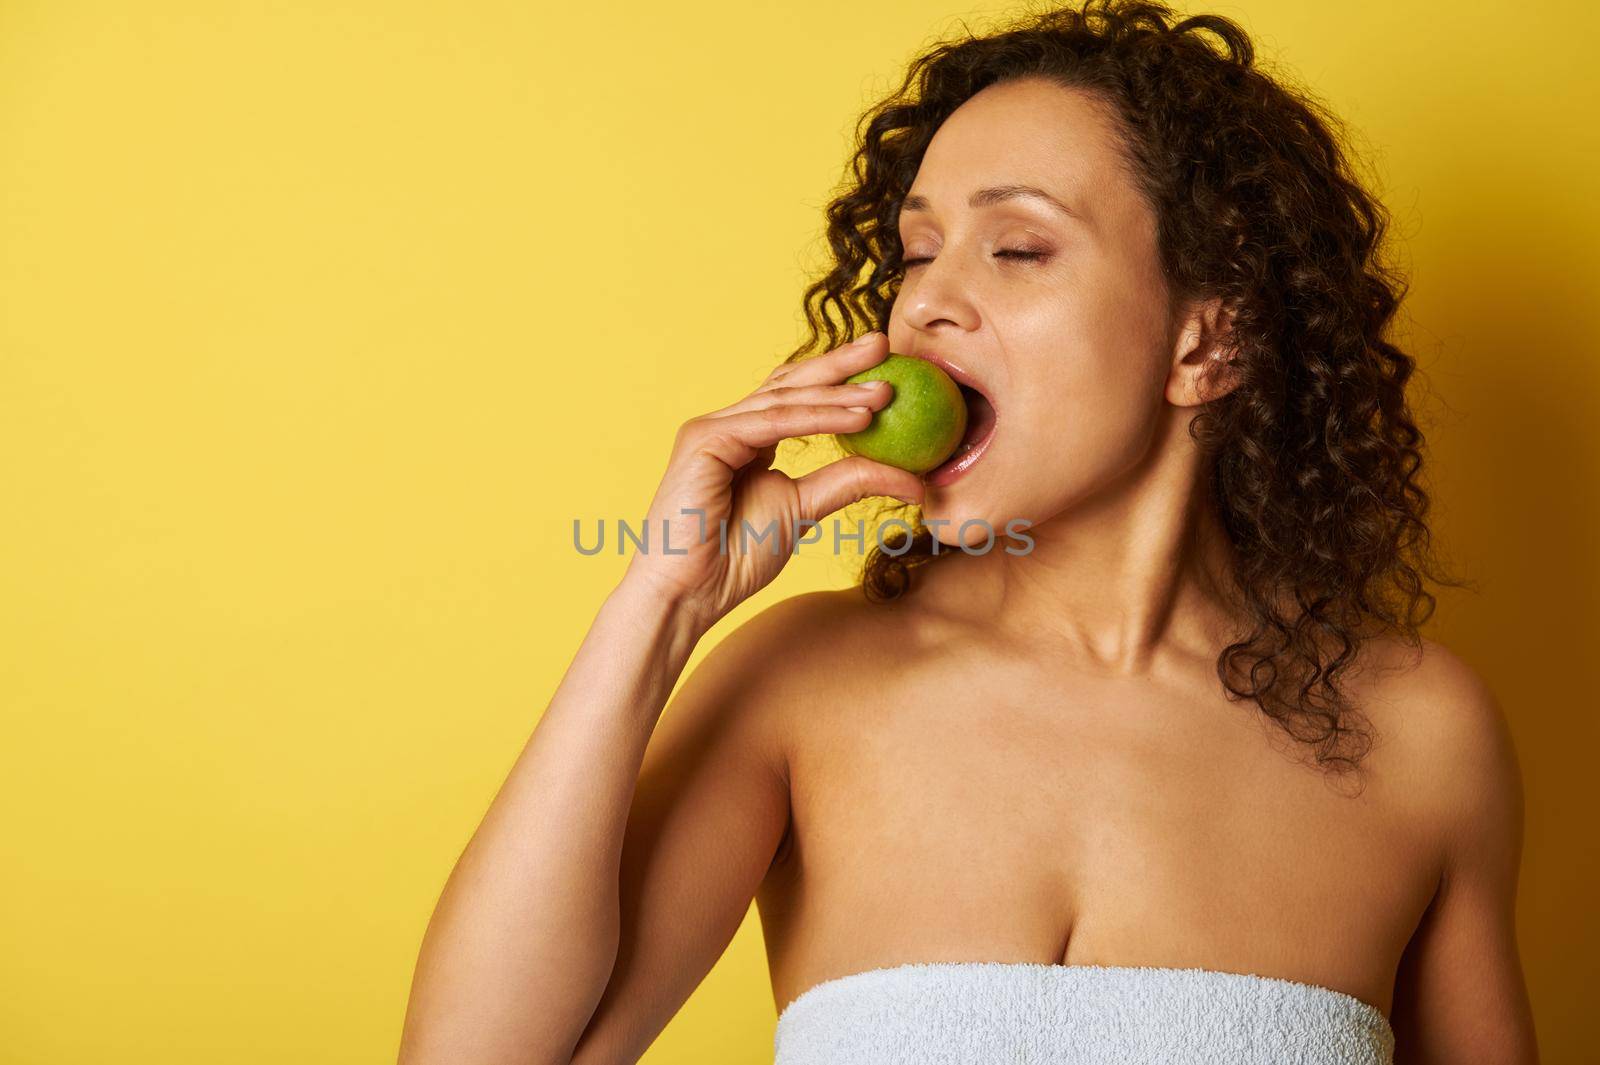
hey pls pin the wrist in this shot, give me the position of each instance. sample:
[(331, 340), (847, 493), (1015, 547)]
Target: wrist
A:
[(661, 609)]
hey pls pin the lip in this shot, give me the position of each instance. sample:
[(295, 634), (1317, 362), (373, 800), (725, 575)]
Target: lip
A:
[(948, 472), (959, 375), (940, 476)]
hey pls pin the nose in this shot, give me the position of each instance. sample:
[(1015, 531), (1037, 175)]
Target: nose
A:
[(935, 295)]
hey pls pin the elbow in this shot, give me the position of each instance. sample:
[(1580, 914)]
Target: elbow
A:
[(454, 1045)]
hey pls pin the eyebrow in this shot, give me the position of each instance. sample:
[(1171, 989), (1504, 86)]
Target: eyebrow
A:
[(997, 194)]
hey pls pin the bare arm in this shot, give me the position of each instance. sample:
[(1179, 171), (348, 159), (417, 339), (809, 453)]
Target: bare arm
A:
[(1460, 997), (546, 909), (711, 809), (525, 933)]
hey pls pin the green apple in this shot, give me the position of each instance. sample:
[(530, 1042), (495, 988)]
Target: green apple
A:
[(923, 422)]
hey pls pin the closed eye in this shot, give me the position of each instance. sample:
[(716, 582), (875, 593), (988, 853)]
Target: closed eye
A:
[(1008, 253)]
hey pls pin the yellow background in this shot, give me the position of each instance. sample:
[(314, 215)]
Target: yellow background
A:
[(320, 322)]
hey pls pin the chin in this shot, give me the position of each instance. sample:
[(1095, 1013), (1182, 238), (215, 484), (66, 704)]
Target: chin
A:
[(968, 522)]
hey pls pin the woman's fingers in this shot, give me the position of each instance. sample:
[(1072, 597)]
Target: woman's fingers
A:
[(737, 438), (873, 394), (841, 483), (820, 379), (833, 367)]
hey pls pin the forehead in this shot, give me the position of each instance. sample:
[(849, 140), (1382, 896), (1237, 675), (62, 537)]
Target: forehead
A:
[(1032, 132)]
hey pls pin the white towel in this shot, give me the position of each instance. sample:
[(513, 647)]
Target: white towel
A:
[(943, 1013)]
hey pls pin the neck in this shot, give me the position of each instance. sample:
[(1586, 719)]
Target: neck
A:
[(1114, 581)]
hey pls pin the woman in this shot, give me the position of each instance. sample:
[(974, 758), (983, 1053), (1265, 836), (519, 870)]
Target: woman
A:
[(1180, 781)]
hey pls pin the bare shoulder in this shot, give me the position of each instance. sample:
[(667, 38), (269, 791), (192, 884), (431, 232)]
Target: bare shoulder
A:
[(1459, 989), (812, 617), (1429, 697), (789, 653), (1445, 740), (802, 643), (810, 659)]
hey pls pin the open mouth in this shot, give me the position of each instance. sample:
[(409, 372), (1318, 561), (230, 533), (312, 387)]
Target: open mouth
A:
[(981, 421)]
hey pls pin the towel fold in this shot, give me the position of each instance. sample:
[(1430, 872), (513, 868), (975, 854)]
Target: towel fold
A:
[(943, 1013)]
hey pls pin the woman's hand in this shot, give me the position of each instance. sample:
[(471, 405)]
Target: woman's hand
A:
[(719, 477)]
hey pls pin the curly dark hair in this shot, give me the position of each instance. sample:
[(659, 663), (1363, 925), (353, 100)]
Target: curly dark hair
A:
[(1314, 454)]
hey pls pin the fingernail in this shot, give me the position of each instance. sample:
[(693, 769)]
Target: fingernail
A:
[(858, 408), (864, 340)]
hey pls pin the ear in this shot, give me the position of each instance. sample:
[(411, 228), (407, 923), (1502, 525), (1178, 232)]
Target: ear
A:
[(1202, 355)]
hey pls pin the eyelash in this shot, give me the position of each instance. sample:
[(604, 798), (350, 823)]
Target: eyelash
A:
[(1013, 253)]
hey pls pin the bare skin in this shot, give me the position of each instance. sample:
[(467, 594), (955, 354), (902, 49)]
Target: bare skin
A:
[(987, 798), (1032, 758), (1028, 758)]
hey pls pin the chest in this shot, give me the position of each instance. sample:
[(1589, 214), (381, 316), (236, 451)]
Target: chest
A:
[(1003, 820)]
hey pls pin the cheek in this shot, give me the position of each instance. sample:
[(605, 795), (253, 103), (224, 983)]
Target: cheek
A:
[(1110, 366), (1102, 378), (1086, 426), (1090, 412)]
